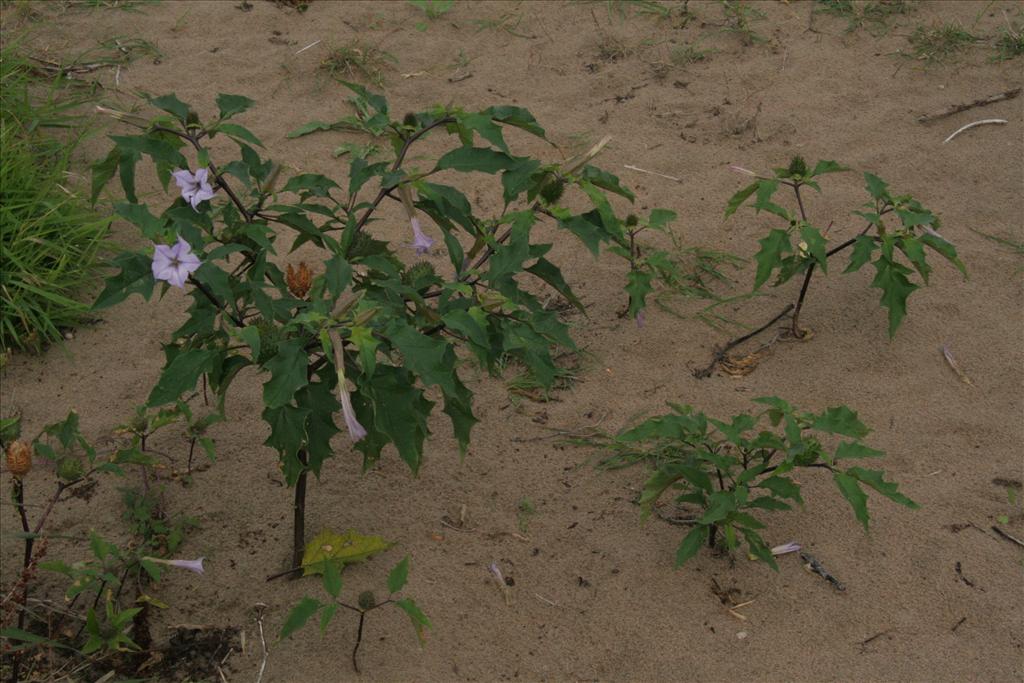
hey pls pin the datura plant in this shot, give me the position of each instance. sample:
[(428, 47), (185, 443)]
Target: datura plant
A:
[(368, 328)]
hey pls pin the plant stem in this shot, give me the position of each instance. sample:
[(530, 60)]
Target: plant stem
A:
[(795, 326), (720, 354), (383, 192), (299, 512), (359, 640)]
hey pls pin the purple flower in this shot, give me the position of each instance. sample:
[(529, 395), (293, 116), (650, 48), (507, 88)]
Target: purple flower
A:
[(420, 241), (194, 188), (191, 565), (355, 430), (790, 547), (174, 264), (641, 319)]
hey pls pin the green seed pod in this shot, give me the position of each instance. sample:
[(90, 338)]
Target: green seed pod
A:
[(367, 600), (797, 167), (70, 468), (419, 275), (270, 335), (362, 245), (552, 189), (409, 120), (631, 220)]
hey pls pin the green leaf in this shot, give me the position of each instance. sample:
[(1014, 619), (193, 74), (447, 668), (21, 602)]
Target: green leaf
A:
[(816, 245), (783, 487), (516, 116), (876, 480), (847, 449), (841, 420), (852, 492), (103, 171), (326, 615), (180, 375), (400, 411), (691, 543), (737, 199), (136, 277), (235, 131), (913, 249), (287, 373), (763, 200), (311, 127), (486, 128), (298, 617), (341, 549), (876, 187), (607, 181), (824, 166), (398, 576), (759, 549), (313, 183), (863, 248), (338, 274), (416, 616), (230, 105), (466, 159), (638, 286), (429, 357), (769, 257), (549, 273), (332, 578), (946, 249), (891, 278), (172, 105)]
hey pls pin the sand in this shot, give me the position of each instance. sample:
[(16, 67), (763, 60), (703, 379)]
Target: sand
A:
[(931, 595)]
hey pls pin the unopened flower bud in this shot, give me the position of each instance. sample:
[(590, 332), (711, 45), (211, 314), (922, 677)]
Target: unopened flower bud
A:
[(70, 468), (299, 280), (19, 458)]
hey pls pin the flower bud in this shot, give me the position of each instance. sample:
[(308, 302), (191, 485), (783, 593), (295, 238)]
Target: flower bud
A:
[(299, 280), (70, 468), (19, 458)]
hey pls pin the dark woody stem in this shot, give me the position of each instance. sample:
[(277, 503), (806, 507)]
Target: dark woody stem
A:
[(216, 302)]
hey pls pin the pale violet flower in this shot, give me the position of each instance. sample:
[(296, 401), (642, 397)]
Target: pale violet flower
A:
[(355, 430), (641, 319), (174, 264), (194, 188), (790, 547), (191, 565), (420, 241)]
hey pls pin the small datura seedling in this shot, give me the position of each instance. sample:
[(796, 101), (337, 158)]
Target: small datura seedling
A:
[(736, 469), (895, 225)]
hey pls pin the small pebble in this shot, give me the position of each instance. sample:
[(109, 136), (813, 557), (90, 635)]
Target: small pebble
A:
[(741, 635)]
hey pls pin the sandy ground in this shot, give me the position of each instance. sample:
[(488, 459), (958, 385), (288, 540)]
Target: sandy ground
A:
[(595, 594)]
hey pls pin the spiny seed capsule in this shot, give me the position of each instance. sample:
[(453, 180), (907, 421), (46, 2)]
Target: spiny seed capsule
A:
[(409, 120), (299, 281), (797, 167), (19, 458), (367, 600), (631, 220), (552, 190)]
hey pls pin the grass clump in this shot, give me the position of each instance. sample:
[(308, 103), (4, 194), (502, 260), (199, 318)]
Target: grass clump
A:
[(874, 16), (1009, 43), (49, 235), (357, 62), (941, 42)]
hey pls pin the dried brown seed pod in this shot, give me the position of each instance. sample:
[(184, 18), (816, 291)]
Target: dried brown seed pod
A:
[(19, 458), (299, 280)]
